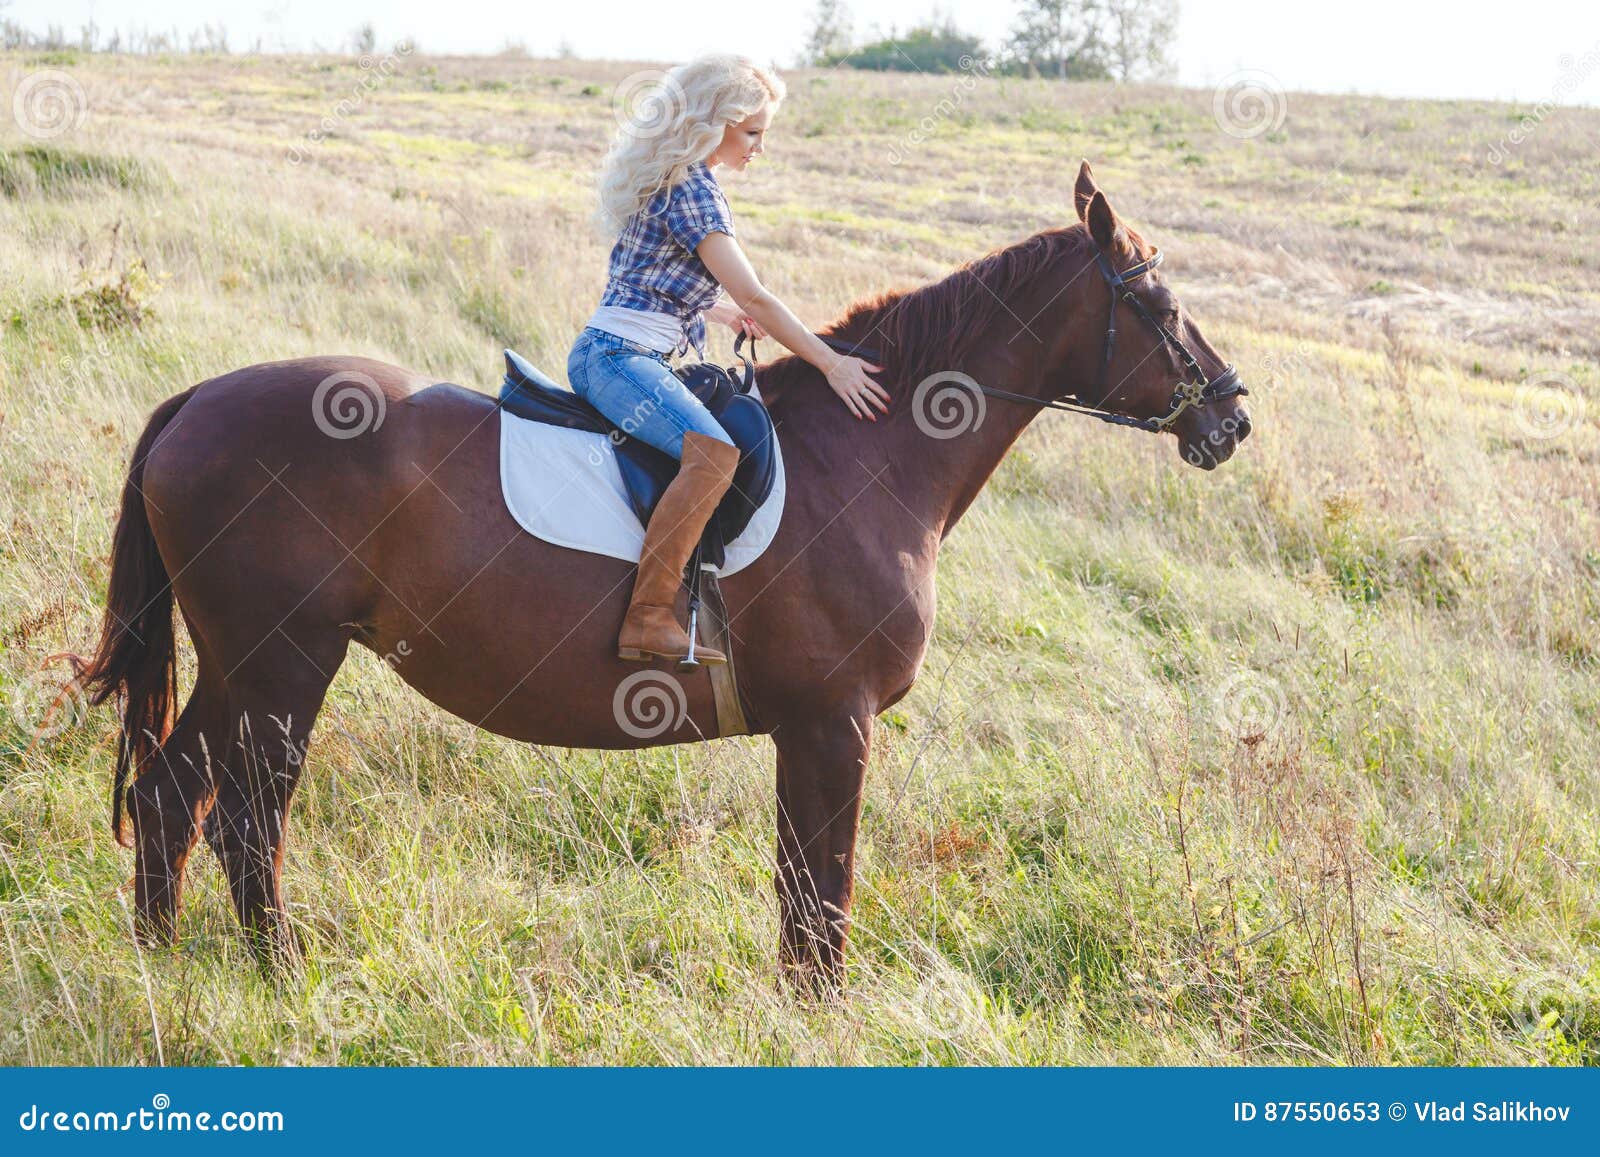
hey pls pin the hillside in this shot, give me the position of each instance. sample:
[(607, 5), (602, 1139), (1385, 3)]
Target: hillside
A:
[(1294, 762)]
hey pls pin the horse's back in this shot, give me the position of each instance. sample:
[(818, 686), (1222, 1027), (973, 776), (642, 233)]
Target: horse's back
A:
[(304, 415), (286, 469)]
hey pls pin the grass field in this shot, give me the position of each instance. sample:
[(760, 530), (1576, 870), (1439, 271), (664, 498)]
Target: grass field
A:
[(1295, 762)]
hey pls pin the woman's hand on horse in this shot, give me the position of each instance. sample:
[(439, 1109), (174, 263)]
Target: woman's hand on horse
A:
[(848, 378)]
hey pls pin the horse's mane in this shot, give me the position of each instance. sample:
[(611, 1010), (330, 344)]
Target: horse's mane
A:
[(934, 327)]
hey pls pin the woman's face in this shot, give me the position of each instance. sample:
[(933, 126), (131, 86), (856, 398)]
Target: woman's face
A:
[(742, 142)]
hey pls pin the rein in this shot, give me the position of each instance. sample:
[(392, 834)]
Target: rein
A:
[(1198, 391)]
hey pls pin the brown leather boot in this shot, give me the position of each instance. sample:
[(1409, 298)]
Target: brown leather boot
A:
[(651, 626)]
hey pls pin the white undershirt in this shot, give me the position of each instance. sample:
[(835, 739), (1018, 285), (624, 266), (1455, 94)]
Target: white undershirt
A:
[(662, 332)]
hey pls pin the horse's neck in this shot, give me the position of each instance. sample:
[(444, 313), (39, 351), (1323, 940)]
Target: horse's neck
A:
[(894, 473)]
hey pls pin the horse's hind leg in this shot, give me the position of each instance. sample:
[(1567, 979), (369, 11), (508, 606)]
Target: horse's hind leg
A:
[(168, 801), (272, 705)]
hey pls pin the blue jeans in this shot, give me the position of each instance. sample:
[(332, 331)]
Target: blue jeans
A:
[(635, 387)]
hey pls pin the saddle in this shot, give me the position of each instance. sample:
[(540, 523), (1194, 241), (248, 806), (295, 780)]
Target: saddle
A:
[(646, 471)]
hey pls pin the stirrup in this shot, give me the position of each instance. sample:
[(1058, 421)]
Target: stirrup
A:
[(689, 662)]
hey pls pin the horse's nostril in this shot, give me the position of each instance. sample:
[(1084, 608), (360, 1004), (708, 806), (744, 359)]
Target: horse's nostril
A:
[(1244, 427)]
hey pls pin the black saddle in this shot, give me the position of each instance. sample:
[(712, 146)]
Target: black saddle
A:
[(646, 471)]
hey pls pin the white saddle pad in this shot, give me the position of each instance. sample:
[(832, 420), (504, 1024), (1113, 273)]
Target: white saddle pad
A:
[(565, 487)]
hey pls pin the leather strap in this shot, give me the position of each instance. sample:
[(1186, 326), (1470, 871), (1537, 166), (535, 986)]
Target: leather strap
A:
[(714, 632)]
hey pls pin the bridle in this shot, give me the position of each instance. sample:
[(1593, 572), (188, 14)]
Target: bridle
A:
[(1197, 391)]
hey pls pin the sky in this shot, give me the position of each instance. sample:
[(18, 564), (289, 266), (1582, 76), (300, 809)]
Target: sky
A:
[(1530, 51)]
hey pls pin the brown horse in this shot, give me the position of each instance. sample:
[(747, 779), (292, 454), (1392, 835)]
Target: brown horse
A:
[(284, 537)]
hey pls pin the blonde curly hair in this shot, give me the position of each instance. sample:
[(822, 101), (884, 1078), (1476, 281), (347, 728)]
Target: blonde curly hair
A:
[(672, 120)]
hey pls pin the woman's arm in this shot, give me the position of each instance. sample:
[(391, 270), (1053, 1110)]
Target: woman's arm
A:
[(847, 376), (728, 314)]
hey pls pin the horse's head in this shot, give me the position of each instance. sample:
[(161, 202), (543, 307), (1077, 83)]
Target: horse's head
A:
[(1154, 363)]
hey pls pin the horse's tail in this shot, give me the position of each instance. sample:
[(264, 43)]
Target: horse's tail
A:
[(136, 657)]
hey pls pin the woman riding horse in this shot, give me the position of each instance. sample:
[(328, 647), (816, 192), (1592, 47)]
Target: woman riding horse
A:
[(674, 252)]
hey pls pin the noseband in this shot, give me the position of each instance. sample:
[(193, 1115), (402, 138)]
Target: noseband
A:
[(1197, 391)]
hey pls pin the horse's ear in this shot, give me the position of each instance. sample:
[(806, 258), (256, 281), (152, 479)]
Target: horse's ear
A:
[(1103, 224), (1084, 191)]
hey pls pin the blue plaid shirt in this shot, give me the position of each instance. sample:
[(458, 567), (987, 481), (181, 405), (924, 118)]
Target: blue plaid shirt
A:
[(654, 265)]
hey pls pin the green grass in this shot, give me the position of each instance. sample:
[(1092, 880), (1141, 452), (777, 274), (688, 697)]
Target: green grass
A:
[(1290, 763)]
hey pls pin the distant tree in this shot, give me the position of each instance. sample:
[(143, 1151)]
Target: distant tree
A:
[(831, 32), (932, 47), (364, 39), (209, 39), (1093, 39), (12, 34), (1059, 38), (1138, 35)]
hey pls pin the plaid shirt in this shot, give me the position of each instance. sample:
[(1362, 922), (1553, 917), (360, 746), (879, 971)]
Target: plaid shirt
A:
[(654, 265)]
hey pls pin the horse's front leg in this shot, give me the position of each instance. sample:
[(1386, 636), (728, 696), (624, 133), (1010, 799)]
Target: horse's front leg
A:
[(821, 765)]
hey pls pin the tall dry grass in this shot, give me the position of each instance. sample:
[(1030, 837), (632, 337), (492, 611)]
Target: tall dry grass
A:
[(1295, 762)]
